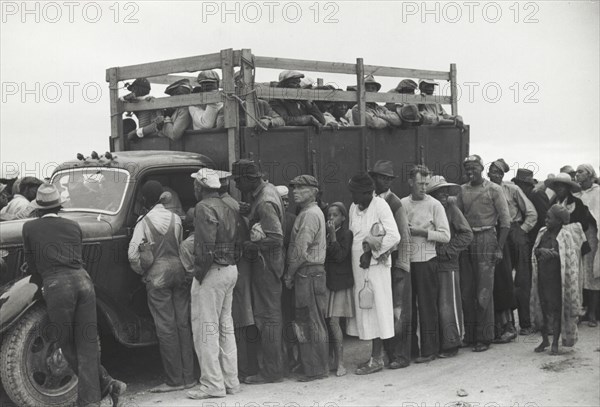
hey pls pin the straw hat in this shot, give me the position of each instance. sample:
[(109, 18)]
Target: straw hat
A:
[(437, 181), (562, 178), (47, 197)]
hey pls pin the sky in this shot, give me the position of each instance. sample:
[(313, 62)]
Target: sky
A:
[(528, 71)]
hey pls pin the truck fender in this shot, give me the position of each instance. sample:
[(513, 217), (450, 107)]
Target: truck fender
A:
[(16, 298)]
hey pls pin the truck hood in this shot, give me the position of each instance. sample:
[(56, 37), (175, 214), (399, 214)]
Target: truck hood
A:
[(92, 226)]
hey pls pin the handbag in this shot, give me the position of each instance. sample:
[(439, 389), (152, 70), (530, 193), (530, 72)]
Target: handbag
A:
[(366, 296)]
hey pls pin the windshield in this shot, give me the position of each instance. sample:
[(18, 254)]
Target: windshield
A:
[(92, 189)]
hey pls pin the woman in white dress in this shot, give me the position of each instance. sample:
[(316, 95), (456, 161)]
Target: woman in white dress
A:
[(375, 236)]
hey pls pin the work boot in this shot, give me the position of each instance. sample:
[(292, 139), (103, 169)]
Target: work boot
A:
[(117, 388)]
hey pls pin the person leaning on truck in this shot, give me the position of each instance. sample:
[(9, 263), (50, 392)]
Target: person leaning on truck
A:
[(378, 117), (296, 112), (266, 217), (435, 113), (53, 251), (484, 206), (204, 116), (168, 291)]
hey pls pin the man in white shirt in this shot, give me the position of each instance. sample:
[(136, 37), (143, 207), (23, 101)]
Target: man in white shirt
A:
[(205, 116), (428, 224)]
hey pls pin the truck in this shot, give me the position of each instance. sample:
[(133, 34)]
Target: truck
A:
[(104, 192)]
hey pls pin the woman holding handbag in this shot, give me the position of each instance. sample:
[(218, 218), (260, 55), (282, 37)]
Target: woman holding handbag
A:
[(375, 235)]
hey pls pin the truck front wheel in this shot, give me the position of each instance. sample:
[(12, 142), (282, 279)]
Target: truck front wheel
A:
[(34, 371)]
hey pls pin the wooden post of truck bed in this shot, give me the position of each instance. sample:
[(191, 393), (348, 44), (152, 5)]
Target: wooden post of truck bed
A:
[(116, 115), (230, 106), (360, 91), (247, 67), (453, 90)]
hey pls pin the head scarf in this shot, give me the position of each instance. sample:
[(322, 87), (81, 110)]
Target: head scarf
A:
[(341, 207), (561, 213)]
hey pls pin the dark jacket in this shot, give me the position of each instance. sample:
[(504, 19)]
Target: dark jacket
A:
[(338, 261), (461, 237), (51, 245), (540, 201), (580, 214)]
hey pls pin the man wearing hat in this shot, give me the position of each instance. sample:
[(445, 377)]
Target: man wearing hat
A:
[(267, 259), (397, 348), (216, 250), (524, 180), (160, 232), (484, 206), (296, 112), (305, 272), (405, 87), (205, 116), (377, 117), (449, 299), (428, 226), (567, 169), (435, 113), (523, 219), (68, 294), (174, 121)]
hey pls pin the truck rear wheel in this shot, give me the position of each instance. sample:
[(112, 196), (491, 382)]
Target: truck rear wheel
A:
[(34, 371)]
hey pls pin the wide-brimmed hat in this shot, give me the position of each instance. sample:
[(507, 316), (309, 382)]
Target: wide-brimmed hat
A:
[(371, 79), (207, 177), (383, 167), (565, 179), (437, 182), (47, 197), (182, 83), (410, 114), (526, 176), (304, 181), (285, 75)]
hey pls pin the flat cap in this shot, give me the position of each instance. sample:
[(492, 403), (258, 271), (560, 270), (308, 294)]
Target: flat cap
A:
[(184, 83), (304, 181), (285, 75), (246, 168), (208, 76)]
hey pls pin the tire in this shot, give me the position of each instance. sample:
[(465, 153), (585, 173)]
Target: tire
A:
[(30, 376)]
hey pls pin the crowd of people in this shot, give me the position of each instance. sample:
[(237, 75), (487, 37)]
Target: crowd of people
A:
[(173, 122), (259, 292)]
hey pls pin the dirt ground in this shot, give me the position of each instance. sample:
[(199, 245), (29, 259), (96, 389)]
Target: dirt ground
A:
[(506, 375)]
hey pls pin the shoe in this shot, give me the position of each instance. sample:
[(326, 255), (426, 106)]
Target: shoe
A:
[(506, 337), (232, 390), (258, 379), (481, 347), (448, 353), (165, 388), (190, 385), (425, 359), (117, 388), (399, 364), (312, 378), (526, 331), (200, 395), (372, 366), (593, 324)]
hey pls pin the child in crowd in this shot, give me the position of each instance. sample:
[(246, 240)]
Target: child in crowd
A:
[(555, 286), (340, 280)]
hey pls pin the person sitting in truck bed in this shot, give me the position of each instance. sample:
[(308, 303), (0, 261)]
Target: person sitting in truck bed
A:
[(405, 87), (333, 112), (435, 113), (174, 121), (139, 91), (266, 117), (296, 112), (205, 116), (378, 117)]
